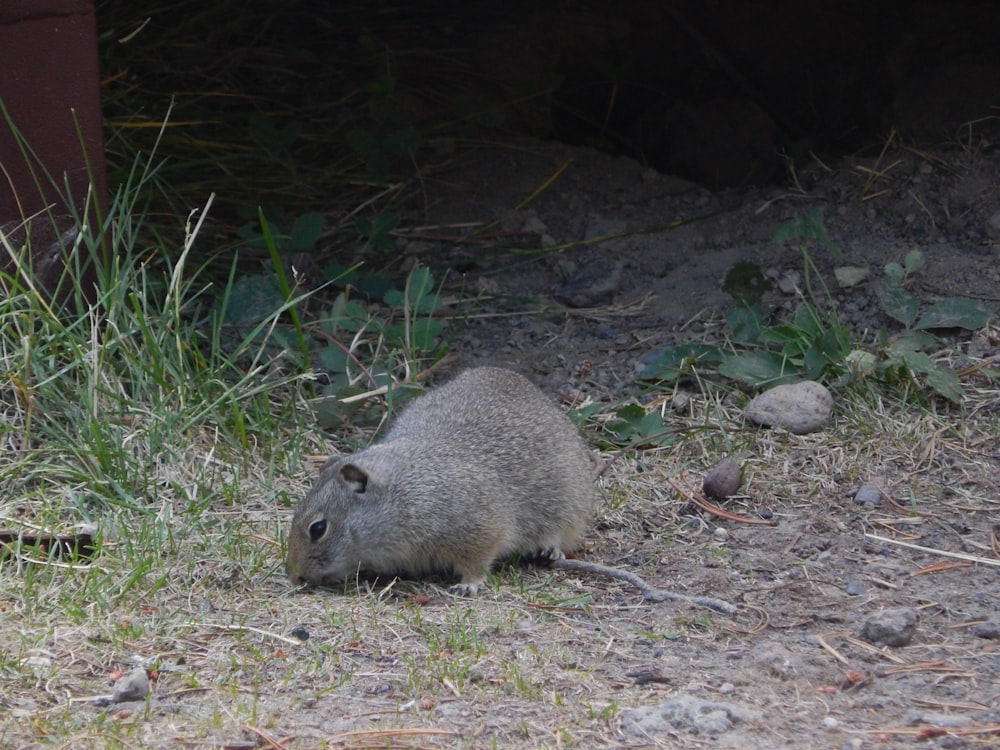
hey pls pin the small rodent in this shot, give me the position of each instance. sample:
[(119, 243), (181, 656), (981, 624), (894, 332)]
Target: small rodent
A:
[(482, 468)]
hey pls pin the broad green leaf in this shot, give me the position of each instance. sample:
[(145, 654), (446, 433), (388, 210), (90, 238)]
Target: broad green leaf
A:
[(827, 351), (305, 231), (373, 286), (861, 362), (746, 323), (914, 262), (792, 338), (807, 226), (755, 368), (252, 299), (807, 319), (745, 283), (945, 382), (634, 423), (341, 275), (894, 272), (918, 361), (913, 341), (333, 358), (677, 361), (955, 312), (899, 303)]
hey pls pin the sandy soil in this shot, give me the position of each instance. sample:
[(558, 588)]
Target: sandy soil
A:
[(791, 659), (559, 659)]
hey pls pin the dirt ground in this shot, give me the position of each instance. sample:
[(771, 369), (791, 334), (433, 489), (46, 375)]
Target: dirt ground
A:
[(788, 670), (560, 659)]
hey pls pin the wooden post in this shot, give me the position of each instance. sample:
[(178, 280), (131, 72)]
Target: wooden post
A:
[(51, 139)]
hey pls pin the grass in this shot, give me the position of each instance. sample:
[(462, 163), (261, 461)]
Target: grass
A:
[(186, 446)]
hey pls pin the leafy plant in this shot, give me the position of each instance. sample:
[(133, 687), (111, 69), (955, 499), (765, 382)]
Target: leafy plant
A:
[(907, 355), (816, 345), (808, 229), (272, 229), (368, 340), (902, 305), (376, 230)]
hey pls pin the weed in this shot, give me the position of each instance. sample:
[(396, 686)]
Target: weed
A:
[(814, 344)]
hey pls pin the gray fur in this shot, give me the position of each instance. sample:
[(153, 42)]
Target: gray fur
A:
[(477, 470)]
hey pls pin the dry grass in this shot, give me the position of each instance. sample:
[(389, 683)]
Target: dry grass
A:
[(544, 659)]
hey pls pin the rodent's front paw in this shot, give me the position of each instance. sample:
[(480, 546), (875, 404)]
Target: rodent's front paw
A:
[(548, 555), (466, 589)]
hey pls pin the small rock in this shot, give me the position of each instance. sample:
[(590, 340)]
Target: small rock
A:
[(848, 276), (723, 480), (680, 401), (915, 717), (790, 282), (685, 713), (990, 630), (854, 588), (890, 627), (868, 494), (798, 407), (133, 686)]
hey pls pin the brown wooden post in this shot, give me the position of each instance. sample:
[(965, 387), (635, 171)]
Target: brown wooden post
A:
[(50, 97)]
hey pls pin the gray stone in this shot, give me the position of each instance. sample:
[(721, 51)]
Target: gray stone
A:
[(868, 494), (685, 713), (133, 686), (848, 276), (890, 627), (798, 407), (854, 588), (988, 629), (789, 283)]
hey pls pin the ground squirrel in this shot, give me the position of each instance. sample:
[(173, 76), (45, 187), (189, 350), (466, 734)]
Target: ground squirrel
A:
[(482, 468)]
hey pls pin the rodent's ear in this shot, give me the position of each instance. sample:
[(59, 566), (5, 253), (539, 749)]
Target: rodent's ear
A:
[(355, 477)]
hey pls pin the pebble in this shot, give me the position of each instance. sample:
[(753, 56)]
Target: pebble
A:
[(686, 713), (868, 494), (798, 407), (848, 276), (854, 588), (680, 401), (790, 282), (890, 627), (723, 480), (133, 686), (989, 630)]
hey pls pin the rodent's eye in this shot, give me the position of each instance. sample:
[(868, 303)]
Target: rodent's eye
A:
[(317, 529)]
